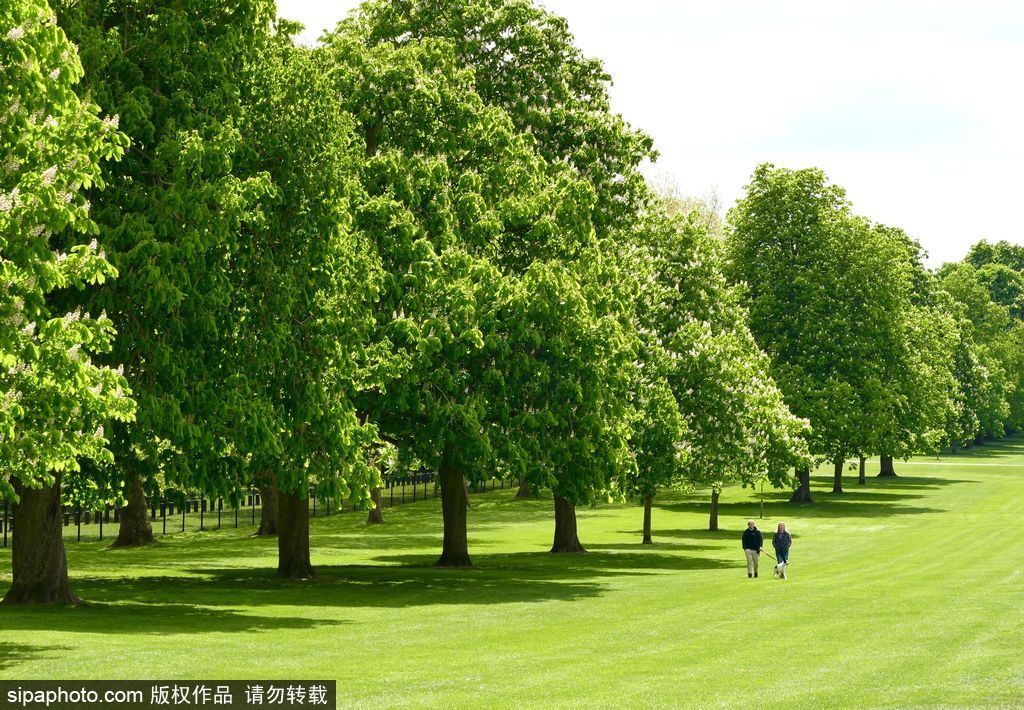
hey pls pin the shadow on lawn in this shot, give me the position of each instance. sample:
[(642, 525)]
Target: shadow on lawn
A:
[(147, 608), (1012, 446), (222, 599), (14, 654)]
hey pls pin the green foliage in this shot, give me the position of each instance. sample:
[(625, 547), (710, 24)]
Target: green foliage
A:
[(830, 299), (737, 427), (525, 62), (991, 369), (54, 401), (305, 282), (171, 72)]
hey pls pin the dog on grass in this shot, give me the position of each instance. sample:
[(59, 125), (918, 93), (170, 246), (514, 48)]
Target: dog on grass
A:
[(780, 570)]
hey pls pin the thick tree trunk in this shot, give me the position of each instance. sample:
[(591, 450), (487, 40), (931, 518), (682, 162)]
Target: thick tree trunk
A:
[(648, 500), (887, 471), (454, 506), (861, 480), (525, 491), (566, 539), (713, 518), (135, 527), (293, 537), (837, 476), (268, 509), (377, 511), (803, 492), (38, 562)]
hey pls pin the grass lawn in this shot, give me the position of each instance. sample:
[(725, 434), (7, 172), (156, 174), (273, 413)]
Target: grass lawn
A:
[(906, 592)]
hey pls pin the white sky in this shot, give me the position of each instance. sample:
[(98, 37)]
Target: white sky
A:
[(916, 107)]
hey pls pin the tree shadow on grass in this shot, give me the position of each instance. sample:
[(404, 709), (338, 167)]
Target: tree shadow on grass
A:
[(658, 543), (222, 599), (14, 654), (908, 482), (1011, 446), (146, 608), (826, 505), (601, 560), (336, 586)]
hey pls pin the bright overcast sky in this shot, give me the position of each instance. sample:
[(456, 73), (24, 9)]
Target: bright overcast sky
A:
[(915, 107)]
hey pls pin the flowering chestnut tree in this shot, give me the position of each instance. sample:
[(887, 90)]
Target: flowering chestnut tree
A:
[(55, 402)]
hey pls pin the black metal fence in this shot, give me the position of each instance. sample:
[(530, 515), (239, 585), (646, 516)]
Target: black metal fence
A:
[(197, 513)]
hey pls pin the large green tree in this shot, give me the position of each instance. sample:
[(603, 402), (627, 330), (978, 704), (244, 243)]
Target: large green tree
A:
[(525, 63), (56, 404), (305, 284), (171, 71), (829, 299), (737, 427)]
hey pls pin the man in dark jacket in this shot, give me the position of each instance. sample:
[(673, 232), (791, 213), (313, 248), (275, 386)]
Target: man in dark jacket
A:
[(753, 543)]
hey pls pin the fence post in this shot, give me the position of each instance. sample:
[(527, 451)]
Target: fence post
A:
[(202, 510), (163, 512), (78, 515), (183, 509), (391, 485), (101, 526), (5, 522), (220, 506)]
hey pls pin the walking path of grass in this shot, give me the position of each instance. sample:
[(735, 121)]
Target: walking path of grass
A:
[(904, 593)]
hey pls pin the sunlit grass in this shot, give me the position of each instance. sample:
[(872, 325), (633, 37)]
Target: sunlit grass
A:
[(905, 592)]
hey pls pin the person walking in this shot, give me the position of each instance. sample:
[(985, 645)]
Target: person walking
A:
[(753, 543), (782, 541)]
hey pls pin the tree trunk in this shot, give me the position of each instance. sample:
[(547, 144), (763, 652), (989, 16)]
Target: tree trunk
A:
[(454, 504), (837, 480), (648, 500), (887, 471), (268, 509), (525, 491), (135, 528), (803, 492), (293, 537), (377, 511), (713, 518), (38, 562), (861, 480), (566, 539)]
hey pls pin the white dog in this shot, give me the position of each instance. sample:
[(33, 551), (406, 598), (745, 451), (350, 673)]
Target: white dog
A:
[(780, 570)]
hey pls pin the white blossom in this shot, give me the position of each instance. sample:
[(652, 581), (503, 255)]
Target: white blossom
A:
[(49, 174), (55, 74), (16, 33)]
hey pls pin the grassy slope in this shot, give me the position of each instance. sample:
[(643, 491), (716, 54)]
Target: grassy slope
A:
[(904, 593)]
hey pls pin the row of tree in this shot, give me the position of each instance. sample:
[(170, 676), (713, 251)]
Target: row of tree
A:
[(426, 243)]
